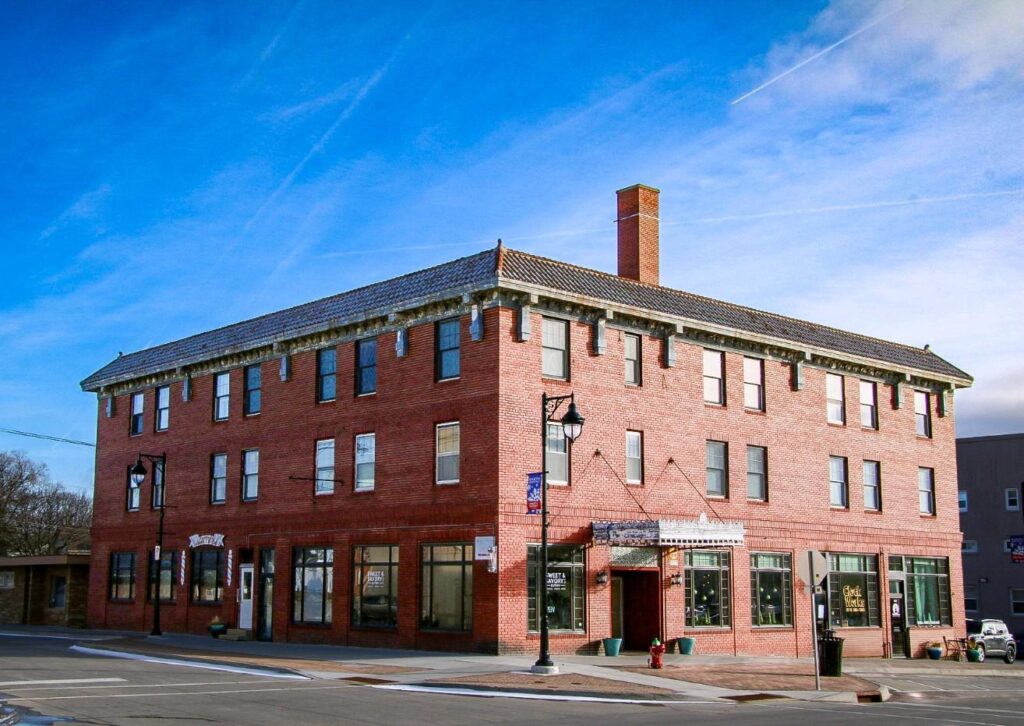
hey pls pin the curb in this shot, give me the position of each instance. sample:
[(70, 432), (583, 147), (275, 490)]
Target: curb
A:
[(205, 665), (541, 696)]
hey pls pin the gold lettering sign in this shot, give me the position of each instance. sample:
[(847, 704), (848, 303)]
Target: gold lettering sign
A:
[(853, 599)]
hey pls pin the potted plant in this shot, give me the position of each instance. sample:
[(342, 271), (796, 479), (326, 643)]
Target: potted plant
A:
[(217, 627), (973, 653), (934, 650)]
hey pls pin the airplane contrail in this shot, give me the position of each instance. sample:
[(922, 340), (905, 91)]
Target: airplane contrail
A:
[(817, 55)]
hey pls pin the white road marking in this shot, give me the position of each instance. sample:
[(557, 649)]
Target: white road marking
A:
[(188, 663), (540, 696), (60, 637), (61, 680), (297, 687), (136, 685)]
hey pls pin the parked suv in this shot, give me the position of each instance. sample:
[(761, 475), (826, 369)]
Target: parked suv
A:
[(992, 637)]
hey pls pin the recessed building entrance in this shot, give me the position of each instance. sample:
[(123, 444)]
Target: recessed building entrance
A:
[(636, 607)]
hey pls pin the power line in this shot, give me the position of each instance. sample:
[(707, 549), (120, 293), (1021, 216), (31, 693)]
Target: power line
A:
[(48, 438)]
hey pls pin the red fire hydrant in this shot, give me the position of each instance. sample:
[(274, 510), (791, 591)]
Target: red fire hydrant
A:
[(657, 650)]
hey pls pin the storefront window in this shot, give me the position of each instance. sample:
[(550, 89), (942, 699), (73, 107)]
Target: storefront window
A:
[(853, 591), (207, 575), (565, 587), (707, 589), (313, 591), (928, 590), (168, 576), (122, 575), (375, 586), (447, 598), (771, 589)]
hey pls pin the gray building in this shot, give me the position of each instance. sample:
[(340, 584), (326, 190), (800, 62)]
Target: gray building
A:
[(991, 479)]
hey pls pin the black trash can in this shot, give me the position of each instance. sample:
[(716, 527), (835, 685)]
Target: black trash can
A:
[(830, 655)]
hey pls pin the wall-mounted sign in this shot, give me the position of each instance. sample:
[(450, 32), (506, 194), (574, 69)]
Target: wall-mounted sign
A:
[(664, 532), (206, 540), (633, 557), (556, 581), (482, 548)]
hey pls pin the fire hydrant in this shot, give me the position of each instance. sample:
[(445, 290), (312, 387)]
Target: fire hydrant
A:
[(657, 650)]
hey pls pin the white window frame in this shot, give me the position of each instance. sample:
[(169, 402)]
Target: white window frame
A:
[(753, 384), (221, 396), (961, 500), (875, 467), (869, 404), (633, 365), (549, 326), (929, 509), (163, 408), (557, 449), (250, 475), (324, 465), (923, 414), (835, 409), (759, 476), (365, 456), (714, 377), (635, 457), (138, 409), (1012, 497), (845, 482), (722, 446), (438, 454), (218, 479)]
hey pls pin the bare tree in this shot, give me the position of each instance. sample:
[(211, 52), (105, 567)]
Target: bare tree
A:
[(37, 515)]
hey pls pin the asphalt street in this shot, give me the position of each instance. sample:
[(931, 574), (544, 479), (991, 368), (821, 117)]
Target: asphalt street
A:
[(46, 682)]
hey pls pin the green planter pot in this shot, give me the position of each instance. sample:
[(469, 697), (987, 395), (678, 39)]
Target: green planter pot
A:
[(934, 653), (687, 645), (974, 655), (612, 646), (218, 629)]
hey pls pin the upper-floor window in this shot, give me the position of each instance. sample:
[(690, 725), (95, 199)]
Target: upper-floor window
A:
[(163, 408), (557, 455), (717, 457), (757, 473), (1012, 500), (324, 467), (133, 493), (836, 398), (326, 374), (446, 349), (138, 403), (714, 377), (971, 598), (447, 446), (868, 405), (632, 355), (969, 547), (923, 414), (253, 399), (366, 366), (158, 485), (366, 462), (926, 490), (753, 384), (250, 474), (221, 396), (872, 485), (837, 481), (634, 457), (962, 500), (555, 344), (218, 478)]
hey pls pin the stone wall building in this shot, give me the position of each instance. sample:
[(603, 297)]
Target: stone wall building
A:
[(44, 589)]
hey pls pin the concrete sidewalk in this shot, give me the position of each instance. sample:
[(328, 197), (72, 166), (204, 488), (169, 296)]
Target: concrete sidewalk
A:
[(685, 678)]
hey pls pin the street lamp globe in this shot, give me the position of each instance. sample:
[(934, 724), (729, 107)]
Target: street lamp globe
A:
[(572, 423), (138, 473)]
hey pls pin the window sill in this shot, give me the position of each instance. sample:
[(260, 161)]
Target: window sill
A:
[(634, 483), (780, 626), (446, 483), (718, 497), (837, 424), (838, 508), (367, 394), (364, 490), (757, 502), (250, 500), (161, 431), (755, 411), (323, 494), (869, 429), (872, 511), (712, 404), (219, 503), (447, 380), (326, 400), (925, 515), (251, 415)]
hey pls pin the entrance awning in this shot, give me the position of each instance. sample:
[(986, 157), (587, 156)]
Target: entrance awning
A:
[(698, 532)]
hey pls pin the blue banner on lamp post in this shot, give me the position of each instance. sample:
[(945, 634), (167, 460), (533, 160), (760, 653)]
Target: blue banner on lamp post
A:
[(533, 483)]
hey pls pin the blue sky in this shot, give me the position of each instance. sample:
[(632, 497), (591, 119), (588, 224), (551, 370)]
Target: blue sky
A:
[(168, 168)]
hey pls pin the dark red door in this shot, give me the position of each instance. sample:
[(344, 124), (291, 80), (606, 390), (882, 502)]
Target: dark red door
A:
[(641, 611)]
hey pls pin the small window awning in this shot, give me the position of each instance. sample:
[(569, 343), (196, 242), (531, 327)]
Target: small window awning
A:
[(698, 532)]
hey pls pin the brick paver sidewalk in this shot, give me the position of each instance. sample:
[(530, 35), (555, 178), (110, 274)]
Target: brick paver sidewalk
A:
[(753, 676)]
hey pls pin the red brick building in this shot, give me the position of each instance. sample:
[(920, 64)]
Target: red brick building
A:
[(335, 470)]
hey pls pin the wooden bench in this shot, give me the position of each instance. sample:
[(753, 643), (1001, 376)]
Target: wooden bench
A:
[(956, 648)]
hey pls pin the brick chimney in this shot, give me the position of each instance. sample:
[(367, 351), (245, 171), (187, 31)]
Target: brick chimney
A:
[(638, 233)]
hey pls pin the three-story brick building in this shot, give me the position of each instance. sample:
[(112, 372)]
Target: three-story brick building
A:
[(354, 470)]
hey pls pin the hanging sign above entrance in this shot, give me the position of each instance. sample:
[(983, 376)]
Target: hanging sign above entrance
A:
[(205, 540), (665, 532)]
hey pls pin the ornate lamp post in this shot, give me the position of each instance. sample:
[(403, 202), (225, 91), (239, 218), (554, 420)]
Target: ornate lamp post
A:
[(572, 426), (138, 475)]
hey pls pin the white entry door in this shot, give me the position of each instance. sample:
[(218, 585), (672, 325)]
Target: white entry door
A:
[(245, 589)]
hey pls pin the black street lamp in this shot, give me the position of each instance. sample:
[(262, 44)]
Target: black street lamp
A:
[(572, 425), (138, 475)]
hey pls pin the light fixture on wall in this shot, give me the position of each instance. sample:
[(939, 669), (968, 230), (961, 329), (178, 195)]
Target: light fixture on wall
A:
[(602, 577), (676, 579)]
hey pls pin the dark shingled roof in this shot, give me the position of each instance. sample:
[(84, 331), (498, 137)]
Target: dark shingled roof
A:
[(612, 288), (479, 272)]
